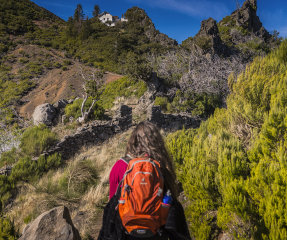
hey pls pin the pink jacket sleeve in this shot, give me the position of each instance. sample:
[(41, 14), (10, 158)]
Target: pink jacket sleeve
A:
[(116, 175)]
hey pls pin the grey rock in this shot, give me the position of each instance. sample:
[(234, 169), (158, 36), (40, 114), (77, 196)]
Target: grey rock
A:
[(247, 18), (61, 104), (210, 30), (52, 225), (44, 113)]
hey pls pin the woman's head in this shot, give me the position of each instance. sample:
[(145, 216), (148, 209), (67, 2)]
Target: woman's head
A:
[(147, 140)]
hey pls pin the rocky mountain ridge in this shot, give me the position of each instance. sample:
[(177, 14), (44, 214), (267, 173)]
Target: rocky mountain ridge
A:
[(203, 63)]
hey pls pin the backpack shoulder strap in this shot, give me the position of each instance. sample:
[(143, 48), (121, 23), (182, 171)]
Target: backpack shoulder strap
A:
[(126, 158)]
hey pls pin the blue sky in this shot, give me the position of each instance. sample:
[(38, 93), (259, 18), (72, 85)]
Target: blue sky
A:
[(179, 19)]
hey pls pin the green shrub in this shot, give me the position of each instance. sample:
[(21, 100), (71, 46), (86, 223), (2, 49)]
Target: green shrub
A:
[(67, 62), (27, 169), (9, 157), (57, 65), (37, 139), (123, 87), (74, 109), (199, 104), (23, 60), (7, 230), (233, 168), (163, 102), (34, 68)]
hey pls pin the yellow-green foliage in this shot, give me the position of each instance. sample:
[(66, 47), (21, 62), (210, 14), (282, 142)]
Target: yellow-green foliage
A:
[(25, 170), (123, 87), (7, 230), (163, 102), (233, 168), (37, 139), (199, 104), (74, 109)]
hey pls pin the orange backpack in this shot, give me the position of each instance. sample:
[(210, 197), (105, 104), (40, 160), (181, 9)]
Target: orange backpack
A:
[(140, 205)]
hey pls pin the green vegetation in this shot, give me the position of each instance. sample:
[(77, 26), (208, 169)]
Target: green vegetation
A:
[(37, 139), (74, 109), (124, 87), (233, 168), (73, 181), (204, 42), (7, 230), (33, 142), (163, 102), (226, 25), (198, 104)]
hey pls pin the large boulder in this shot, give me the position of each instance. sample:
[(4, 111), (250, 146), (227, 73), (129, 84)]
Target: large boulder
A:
[(44, 113), (53, 224)]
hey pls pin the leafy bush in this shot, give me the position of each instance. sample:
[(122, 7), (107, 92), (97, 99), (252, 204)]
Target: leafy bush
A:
[(10, 92), (37, 139), (233, 168), (27, 170), (163, 102), (9, 157), (57, 65), (7, 230), (199, 104), (123, 87), (74, 109)]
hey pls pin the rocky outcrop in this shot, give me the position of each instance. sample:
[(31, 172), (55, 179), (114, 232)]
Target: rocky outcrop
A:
[(49, 114), (44, 113), (210, 34), (138, 17), (53, 224), (247, 18), (217, 50)]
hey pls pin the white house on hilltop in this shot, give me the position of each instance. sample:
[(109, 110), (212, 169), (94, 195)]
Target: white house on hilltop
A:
[(110, 20)]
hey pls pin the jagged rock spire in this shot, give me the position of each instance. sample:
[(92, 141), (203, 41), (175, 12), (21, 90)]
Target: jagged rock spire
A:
[(253, 3), (209, 30), (247, 17)]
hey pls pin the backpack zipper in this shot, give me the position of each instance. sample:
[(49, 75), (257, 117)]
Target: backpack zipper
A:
[(142, 173)]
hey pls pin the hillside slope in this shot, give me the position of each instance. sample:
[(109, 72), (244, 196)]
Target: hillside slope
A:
[(233, 168)]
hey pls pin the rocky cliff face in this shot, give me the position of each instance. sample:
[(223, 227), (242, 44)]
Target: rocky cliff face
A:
[(247, 18), (204, 62)]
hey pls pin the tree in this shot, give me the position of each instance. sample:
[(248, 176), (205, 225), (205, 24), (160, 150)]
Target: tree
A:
[(138, 67), (96, 11), (79, 14), (92, 88), (85, 29), (78, 19)]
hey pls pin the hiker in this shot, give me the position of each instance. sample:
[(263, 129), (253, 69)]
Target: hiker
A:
[(143, 192)]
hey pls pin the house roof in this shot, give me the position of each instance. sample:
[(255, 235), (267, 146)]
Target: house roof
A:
[(104, 13)]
